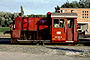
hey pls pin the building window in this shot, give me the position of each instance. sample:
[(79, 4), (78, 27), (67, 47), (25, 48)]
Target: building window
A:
[(72, 11), (62, 11), (82, 11), (84, 14)]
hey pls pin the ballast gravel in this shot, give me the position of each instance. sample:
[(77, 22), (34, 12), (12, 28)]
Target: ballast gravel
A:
[(47, 52)]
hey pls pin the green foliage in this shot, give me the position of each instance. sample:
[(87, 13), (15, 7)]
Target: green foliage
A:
[(84, 4), (2, 29), (22, 12), (75, 4), (57, 8), (32, 15), (6, 18)]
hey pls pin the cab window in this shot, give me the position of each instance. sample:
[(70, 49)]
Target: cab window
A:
[(70, 23), (58, 23)]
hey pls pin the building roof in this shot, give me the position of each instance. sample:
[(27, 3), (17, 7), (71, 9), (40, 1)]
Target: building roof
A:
[(74, 8), (64, 15)]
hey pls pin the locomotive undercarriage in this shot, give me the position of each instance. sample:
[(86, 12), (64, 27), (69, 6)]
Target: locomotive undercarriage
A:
[(42, 36)]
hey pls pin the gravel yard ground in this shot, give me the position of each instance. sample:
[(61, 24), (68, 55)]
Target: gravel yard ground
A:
[(47, 52)]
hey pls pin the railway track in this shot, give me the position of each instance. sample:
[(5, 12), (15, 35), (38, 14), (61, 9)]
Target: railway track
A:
[(80, 42), (5, 40)]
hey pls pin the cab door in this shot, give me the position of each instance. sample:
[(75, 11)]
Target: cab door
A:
[(70, 30), (58, 30)]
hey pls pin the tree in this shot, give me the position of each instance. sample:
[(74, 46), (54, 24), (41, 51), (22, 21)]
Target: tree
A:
[(2, 22), (57, 8), (75, 4), (88, 3), (67, 5), (82, 3), (22, 12), (6, 18)]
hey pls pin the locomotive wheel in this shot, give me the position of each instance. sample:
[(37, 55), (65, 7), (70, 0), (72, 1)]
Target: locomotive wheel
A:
[(13, 40)]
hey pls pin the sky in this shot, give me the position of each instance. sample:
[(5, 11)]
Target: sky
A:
[(31, 6)]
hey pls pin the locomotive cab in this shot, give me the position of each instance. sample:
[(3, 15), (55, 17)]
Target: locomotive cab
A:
[(64, 27)]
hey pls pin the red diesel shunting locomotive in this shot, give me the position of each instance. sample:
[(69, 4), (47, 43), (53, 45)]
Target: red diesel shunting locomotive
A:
[(56, 28)]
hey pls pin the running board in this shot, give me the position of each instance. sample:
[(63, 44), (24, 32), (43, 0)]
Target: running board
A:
[(33, 40), (70, 41)]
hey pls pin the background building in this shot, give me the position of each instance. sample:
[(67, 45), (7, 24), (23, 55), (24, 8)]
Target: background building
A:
[(83, 19)]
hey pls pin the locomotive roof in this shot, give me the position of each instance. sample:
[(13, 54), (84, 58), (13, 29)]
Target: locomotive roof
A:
[(65, 15)]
